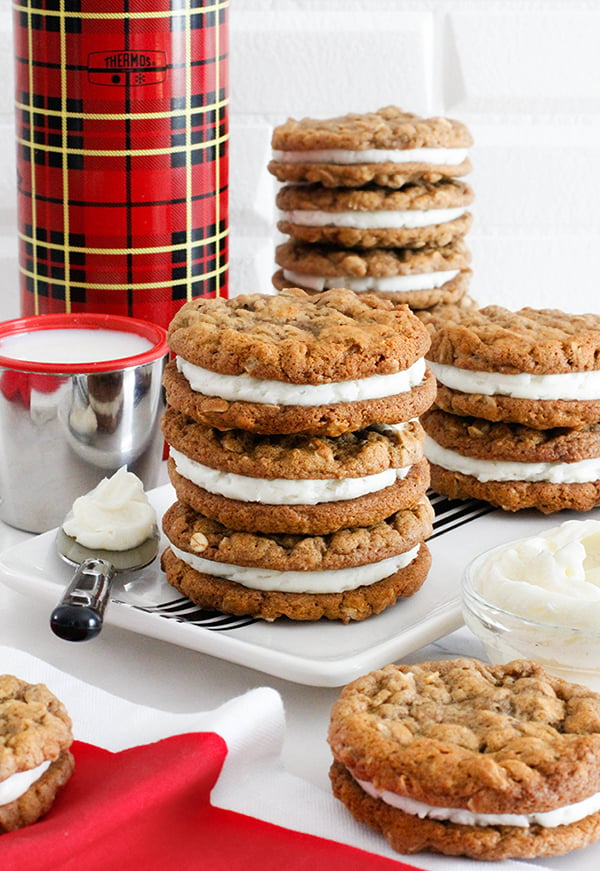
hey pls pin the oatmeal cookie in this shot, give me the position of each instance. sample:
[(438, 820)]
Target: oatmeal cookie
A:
[(314, 518), (294, 363), (389, 147), (419, 277), (35, 736), (296, 483), (513, 466), (331, 419), (347, 575), (417, 215), (293, 337), (229, 597), (421, 751), (296, 456), (537, 367)]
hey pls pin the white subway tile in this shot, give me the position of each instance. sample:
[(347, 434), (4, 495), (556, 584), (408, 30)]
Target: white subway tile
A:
[(540, 270), (532, 188), (251, 265), (506, 57), (296, 63), (251, 186)]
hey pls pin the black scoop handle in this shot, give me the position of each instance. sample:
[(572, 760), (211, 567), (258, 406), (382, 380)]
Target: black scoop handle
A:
[(79, 614)]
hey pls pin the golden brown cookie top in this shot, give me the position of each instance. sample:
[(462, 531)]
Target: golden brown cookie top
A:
[(389, 128), (448, 193), (376, 262), (459, 733), (296, 456), (296, 337), (34, 725), (535, 341), (191, 531)]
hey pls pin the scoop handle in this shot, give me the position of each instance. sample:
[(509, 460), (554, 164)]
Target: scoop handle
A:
[(79, 614)]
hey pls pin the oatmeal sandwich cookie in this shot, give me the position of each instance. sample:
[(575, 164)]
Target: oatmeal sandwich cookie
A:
[(291, 362), (419, 277), (347, 575), (296, 483), (417, 215), (389, 147), (513, 466), (537, 367), (462, 758), (35, 760)]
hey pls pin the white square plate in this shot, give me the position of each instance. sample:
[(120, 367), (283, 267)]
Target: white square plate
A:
[(319, 654)]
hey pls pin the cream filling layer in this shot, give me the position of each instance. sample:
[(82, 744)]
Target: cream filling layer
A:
[(383, 219), (282, 491), (17, 784), (562, 816), (328, 581), (567, 385), (391, 284), (245, 388), (580, 472), (435, 156)]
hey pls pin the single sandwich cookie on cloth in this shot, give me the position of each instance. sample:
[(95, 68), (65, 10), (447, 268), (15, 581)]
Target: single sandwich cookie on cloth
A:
[(537, 367), (417, 215), (419, 277), (389, 147), (292, 362), (347, 575), (462, 758), (296, 483), (511, 465), (35, 760)]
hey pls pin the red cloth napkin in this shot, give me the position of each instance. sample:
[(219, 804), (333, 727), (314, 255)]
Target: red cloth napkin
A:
[(148, 808)]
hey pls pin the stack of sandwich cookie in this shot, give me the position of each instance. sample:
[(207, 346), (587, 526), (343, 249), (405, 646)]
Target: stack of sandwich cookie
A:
[(35, 760), (287, 507), (517, 421), (462, 758), (373, 202)]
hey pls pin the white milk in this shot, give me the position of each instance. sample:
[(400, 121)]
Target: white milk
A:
[(77, 345)]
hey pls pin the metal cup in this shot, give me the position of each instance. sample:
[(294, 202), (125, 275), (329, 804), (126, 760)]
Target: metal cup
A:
[(65, 426)]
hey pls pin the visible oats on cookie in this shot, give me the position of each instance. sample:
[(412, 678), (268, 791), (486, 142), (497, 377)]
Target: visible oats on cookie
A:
[(419, 277), (296, 363), (35, 760), (463, 758), (389, 147)]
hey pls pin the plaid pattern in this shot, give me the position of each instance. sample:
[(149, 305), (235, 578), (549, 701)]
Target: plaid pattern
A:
[(122, 154)]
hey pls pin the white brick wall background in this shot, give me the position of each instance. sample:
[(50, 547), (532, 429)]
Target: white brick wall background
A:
[(524, 75)]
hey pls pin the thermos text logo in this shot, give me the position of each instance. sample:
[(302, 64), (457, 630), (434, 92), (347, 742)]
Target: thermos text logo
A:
[(126, 68)]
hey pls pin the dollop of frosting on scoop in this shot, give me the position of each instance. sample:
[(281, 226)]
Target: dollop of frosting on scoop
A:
[(115, 515)]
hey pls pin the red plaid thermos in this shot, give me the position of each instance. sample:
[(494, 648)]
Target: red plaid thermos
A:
[(122, 154)]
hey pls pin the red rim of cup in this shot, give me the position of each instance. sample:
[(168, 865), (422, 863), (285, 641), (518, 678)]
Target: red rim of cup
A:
[(152, 332)]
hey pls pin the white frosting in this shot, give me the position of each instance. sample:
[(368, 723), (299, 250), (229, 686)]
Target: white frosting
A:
[(16, 785), (568, 385), (248, 389), (391, 284), (435, 156), (115, 515), (328, 581), (553, 577), (512, 470), (379, 220), (548, 819), (282, 491)]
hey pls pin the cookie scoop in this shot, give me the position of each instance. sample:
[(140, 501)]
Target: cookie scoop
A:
[(112, 529)]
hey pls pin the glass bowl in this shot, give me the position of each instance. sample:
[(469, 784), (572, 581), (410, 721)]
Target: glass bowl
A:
[(565, 651)]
